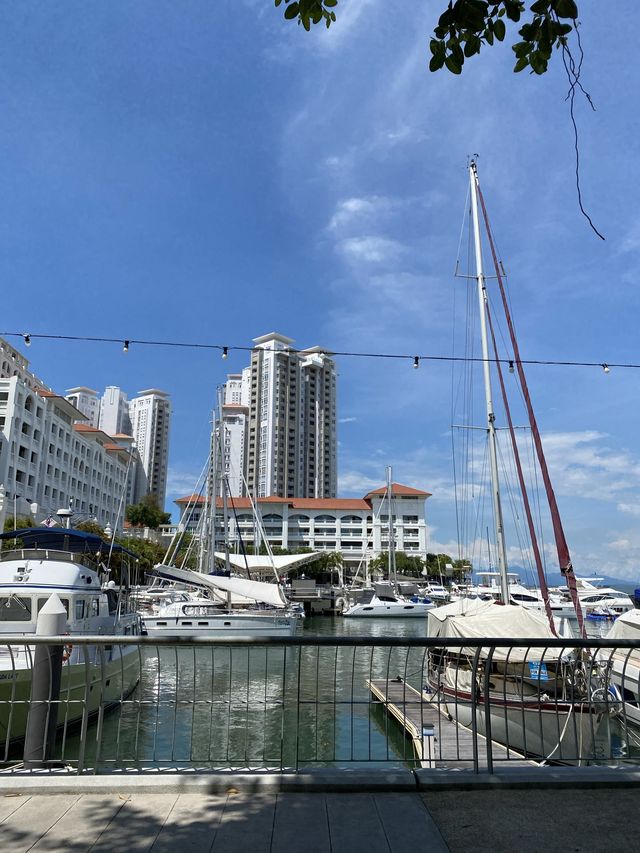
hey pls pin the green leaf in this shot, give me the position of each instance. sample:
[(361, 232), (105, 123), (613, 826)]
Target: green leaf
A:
[(452, 65), (278, 2), (540, 7), (436, 62), (521, 64), (500, 30), (330, 3), (521, 48), (566, 9), (488, 35), (292, 11)]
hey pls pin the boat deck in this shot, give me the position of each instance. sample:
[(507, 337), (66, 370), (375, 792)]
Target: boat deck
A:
[(451, 745)]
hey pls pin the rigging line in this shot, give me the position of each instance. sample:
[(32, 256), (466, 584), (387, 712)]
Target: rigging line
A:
[(562, 547), (545, 362), (525, 498), (538, 502)]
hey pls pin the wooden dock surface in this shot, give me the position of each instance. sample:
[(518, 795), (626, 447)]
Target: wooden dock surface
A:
[(451, 743)]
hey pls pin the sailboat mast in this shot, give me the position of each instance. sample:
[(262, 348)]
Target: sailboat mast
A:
[(491, 429), (391, 533)]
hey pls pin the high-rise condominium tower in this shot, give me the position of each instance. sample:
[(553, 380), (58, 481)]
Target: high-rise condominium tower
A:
[(280, 422), (150, 413)]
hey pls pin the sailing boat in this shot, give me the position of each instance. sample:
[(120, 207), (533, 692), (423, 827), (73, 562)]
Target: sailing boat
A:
[(537, 701), (234, 607), (386, 601)]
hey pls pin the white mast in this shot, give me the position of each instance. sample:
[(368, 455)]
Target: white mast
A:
[(393, 578), (493, 454)]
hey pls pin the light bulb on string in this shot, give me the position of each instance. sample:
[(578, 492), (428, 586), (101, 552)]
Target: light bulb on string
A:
[(125, 348), (511, 367), (225, 352), (416, 361), (27, 339), (606, 368)]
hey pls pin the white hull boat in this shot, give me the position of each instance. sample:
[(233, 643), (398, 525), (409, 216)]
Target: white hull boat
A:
[(386, 606), (91, 677)]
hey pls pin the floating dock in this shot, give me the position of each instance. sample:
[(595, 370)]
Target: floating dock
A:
[(438, 741)]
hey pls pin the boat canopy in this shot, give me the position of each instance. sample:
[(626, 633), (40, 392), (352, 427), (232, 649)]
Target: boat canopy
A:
[(263, 563), (265, 593), (626, 627), (491, 622), (64, 539)]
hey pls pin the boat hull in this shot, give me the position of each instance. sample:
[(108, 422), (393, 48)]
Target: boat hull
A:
[(103, 682), (226, 626), (560, 732)]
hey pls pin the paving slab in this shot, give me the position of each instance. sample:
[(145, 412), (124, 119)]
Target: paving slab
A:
[(246, 825), (354, 824), (11, 802), (80, 827), (535, 821), (136, 825), (20, 830), (191, 825), (408, 825), (301, 823)]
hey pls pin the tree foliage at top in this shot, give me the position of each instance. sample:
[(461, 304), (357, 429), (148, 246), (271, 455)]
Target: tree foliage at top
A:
[(465, 26), (147, 513)]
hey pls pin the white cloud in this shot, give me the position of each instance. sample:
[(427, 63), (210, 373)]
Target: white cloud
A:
[(630, 509), (370, 249), (181, 482), (356, 209), (350, 420)]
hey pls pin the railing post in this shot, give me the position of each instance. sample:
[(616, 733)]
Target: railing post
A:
[(46, 675)]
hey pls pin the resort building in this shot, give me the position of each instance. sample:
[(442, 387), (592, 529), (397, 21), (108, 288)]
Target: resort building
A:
[(280, 422), (357, 527), (51, 458)]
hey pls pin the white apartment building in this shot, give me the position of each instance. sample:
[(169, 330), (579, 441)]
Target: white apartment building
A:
[(357, 527), (86, 400), (150, 416), (114, 412), (51, 459), (281, 413)]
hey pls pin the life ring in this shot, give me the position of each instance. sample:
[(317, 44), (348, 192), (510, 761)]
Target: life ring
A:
[(66, 652)]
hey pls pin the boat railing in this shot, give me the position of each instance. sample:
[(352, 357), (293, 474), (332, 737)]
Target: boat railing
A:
[(287, 704), (79, 557)]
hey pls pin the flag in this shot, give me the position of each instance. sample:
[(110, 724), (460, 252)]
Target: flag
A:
[(49, 522)]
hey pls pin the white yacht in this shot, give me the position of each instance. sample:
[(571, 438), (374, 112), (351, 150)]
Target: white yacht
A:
[(389, 605), (236, 607), (69, 563)]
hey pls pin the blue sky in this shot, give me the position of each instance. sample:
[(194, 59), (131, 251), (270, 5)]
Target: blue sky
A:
[(205, 172)]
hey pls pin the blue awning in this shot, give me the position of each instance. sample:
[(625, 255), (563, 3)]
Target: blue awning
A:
[(64, 539)]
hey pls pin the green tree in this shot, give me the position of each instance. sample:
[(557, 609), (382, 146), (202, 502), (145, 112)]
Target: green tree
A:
[(147, 513), (22, 523), (406, 564), (464, 26)]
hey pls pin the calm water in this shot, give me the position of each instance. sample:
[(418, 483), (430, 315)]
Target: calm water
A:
[(255, 707)]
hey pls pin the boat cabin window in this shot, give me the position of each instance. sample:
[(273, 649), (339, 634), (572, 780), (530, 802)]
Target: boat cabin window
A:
[(80, 608), (14, 608), (43, 601), (95, 606)]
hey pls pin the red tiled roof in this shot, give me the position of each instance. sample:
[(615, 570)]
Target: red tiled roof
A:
[(190, 499), (400, 490)]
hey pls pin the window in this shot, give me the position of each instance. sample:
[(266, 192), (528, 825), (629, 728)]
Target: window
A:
[(13, 608), (80, 609)]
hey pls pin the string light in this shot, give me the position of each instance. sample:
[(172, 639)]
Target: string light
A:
[(540, 362), (511, 368), (416, 361), (225, 352), (27, 339)]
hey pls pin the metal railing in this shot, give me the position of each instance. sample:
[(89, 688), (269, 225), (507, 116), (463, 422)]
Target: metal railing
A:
[(287, 704)]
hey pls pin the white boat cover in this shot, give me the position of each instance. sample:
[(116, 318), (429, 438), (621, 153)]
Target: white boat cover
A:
[(626, 627), (495, 621), (265, 593)]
